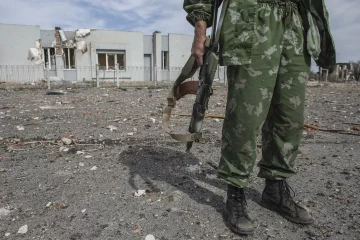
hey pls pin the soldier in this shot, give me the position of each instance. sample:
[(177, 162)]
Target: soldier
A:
[(262, 43)]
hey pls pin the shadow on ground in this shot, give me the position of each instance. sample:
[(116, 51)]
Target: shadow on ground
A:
[(178, 169)]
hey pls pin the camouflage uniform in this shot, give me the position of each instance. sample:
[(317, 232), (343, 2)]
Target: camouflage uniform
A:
[(268, 68)]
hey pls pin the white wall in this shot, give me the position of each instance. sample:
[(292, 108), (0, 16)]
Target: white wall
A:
[(131, 42), (179, 49), (148, 44), (15, 42)]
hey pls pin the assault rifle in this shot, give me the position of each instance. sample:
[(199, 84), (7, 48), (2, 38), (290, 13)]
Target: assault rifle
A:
[(202, 88)]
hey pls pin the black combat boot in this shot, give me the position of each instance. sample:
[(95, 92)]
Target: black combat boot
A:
[(237, 217), (278, 196)]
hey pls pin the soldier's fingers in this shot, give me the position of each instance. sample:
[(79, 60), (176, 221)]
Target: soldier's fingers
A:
[(199, 60)]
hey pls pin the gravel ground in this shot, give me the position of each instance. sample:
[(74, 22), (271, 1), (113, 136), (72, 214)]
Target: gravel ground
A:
[(122, 177)]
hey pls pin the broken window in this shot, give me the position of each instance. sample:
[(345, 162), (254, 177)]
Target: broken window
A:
[(102, 60), (165, 60), (49, 58), (69, 58), (121, 60), (111, 61), (107, 59)]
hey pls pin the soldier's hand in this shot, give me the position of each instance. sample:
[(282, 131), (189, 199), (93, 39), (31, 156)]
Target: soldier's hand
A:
[(198, 47)]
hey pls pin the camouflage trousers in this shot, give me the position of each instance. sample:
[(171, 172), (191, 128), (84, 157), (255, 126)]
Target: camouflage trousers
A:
[(266, 95)]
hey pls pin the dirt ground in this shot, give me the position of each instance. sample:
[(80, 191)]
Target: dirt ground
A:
[(89, 189)]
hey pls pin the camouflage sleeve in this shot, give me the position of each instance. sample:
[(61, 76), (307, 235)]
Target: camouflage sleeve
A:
[(199, 10)]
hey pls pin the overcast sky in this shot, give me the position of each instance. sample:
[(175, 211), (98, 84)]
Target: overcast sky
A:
[(166, 16)]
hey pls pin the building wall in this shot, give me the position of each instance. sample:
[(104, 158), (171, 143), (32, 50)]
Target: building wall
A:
[(148, 44), (143, 53), (165, 43), (47, 38), (131, 42), (15, 42), (179, 49)]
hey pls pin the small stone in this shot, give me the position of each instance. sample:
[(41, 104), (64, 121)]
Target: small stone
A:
[(153, 120), (20, 128), (208, 200), (2, 170), (88, 156), (130, 134), (150, 237), (23, 229), (94, 168), (64, 149), (49, 204), (111, 128), (66, 141), (7, 234), (83, 211), (139, 193), (81, 164), (4, 212)]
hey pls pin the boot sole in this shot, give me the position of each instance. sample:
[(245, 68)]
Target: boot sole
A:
[(269, 206), (235, 229)]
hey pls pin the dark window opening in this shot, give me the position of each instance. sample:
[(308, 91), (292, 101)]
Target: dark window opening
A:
[(165, 60)]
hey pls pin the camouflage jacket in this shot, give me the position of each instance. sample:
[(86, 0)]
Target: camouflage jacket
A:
[(237, 32)]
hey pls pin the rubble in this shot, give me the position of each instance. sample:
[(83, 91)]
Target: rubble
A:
[(179, 189), (20, 128), (4, 212), (66, 141), (150, 237), (111, 128), (56, 107), (23, 229), (139, 193)]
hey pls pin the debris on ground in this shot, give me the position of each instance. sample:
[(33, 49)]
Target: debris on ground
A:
[(23, 229), (56, 107), (139, 193), (4, 212), (150, 237), (178, 189), (111, 128), (66, 140), (56, 92), (20, 128)]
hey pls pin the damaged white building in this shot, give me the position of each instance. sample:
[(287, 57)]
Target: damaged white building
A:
[(28, 51)]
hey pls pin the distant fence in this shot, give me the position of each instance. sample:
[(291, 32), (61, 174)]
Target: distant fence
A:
[(34, 73), (19, 73)]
